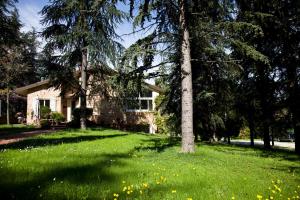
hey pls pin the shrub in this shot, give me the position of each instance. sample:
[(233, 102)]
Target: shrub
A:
[(75, 123), (45, 123), (45, 112), (78, 111), (57, 117)]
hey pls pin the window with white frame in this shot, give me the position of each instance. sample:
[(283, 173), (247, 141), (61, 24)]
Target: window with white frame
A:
[(143, 103), (44, 102)]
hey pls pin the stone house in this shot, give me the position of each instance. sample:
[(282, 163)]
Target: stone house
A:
[(105, 112)]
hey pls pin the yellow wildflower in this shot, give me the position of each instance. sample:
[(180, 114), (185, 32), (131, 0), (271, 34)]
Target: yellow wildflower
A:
[(145, 185), (157, 182), (189, 198), (271, 197), (259, 196), (123, 182), (232, 198), (116, 195), (274, 191), (124, 188), (173, 191)]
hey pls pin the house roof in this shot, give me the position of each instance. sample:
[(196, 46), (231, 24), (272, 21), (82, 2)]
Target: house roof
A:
[(26, 89)]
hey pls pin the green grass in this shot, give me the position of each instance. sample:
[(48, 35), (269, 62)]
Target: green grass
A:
[(93, 165), (12, 129)]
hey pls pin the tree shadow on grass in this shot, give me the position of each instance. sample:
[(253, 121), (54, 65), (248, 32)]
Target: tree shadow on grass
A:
[(40, 141), (75, 175), (14, 130), (157, 144), (283, 154)]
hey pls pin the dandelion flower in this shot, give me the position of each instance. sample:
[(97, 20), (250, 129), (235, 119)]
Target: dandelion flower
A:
[(173, 191), (116, 195), (233, 198), (259, 196)]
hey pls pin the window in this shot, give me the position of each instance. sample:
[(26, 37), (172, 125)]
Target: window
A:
[(142, 103), (44, 102)]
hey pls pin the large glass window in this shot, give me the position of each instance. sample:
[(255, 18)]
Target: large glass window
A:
[(144, 102)]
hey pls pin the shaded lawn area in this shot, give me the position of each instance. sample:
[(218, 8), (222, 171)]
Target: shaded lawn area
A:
[(104, 164), (14, 129)]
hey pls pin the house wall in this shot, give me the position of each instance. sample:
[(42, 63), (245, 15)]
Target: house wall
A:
[(105, 112), (42, 93), (109, 112)]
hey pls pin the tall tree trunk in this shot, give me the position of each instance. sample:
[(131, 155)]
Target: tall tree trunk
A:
[(293, 101), (251, 127), (297, 135), (187, 145), (272, 135), (7, 106), (83, 89), (266, 130)]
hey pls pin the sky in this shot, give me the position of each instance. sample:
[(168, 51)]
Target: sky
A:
[(30, 18)]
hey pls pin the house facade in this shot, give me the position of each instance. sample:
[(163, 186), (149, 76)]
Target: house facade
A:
[(105, 111)]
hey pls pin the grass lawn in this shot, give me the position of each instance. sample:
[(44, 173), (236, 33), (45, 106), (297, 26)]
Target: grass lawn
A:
[(8, 130), (110, 164)]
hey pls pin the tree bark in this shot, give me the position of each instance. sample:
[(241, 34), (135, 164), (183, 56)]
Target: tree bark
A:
[(7, 106), (293, 101), (187, 145), (266, 136), (83, 89), (251, 127)]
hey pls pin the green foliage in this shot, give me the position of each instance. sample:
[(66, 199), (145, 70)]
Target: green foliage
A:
[(45, 123), (57, 117), (45, 112), (244, 133), (77, 113)]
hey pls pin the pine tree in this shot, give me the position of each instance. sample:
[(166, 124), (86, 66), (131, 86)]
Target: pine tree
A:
[(82, 31)]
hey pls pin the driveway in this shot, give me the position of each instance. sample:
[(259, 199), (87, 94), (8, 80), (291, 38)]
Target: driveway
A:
[(282, 145)]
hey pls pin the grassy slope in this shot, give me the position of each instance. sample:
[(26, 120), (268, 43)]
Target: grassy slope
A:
[(93, 165)]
